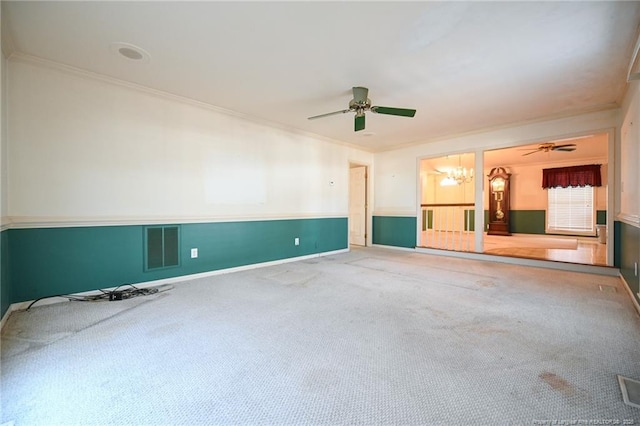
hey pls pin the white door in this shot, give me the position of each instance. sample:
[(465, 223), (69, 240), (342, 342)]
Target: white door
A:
[(358, 205)]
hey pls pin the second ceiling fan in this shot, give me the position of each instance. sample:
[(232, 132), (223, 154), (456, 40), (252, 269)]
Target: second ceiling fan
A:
[(550, 146), (361, 103)]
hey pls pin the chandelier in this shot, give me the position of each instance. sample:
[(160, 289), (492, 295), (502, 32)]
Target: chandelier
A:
[(457, 176)]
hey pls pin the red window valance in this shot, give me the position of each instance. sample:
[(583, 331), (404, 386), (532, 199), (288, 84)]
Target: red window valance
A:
[(572, 176)]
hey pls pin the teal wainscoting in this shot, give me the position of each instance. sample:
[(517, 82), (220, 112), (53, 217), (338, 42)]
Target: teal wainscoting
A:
[(527, 221), (427, 219), (398, 231), (470, 220), (533, 221), (522, 221), (5, 285), (601, 217), (626, 253), (468, 215), (50, 261)]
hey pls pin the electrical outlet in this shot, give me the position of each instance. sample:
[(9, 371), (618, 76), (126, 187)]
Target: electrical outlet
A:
[(194, 253), (296, 241)]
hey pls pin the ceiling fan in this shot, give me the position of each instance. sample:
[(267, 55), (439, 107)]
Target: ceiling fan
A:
[(361, 103), (550, 146)]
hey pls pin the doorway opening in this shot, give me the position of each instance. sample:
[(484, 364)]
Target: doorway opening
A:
[(448, 211), (447, 202), (579, 234), (358, 206)]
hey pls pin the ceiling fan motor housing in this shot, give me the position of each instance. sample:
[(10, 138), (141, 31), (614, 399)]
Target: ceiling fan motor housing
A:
[(360, 95), (360, 105)]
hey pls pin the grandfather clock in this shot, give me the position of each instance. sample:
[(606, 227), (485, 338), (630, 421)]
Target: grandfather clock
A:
[(499, 201)]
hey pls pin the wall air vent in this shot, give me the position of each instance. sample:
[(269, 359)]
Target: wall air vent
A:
[(630, 391), (162, 247)]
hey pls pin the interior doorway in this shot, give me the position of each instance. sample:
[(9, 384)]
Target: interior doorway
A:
[(534, 234), (358, 204), (447, 202), (447, 217)]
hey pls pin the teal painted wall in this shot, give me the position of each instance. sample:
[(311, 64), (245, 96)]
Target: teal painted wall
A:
[(398, 231), (5, 284), (469, 225), (52, 261), (522, 221), (626, 252), (527, 221), (533, 221), (470, 220), (427, 219), (617, 226)]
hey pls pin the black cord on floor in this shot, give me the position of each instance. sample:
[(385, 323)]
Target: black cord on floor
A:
[(115, 294)]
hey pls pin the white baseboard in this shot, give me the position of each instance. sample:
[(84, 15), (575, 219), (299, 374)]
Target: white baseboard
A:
[(19, 306), (393, 247), (631, 295)]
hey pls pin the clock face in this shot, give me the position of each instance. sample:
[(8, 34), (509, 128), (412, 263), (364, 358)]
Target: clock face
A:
[(498, 184), (498, 202)]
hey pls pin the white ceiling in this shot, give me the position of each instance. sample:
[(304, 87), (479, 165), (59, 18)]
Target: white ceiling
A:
[(464, 66)]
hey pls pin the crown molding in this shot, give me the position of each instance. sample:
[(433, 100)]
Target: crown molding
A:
[(543, 119), (8, 45), (91, 75), (633, 71)]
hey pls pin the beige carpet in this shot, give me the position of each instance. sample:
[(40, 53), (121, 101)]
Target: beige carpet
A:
[(369, 337)]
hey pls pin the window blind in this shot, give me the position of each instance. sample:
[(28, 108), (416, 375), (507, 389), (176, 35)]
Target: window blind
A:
[(571, 210)]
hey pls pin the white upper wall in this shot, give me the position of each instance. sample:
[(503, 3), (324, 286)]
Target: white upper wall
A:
[(85, 149), (4, 189), (396, 172), (526, 187), (629, 157)]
